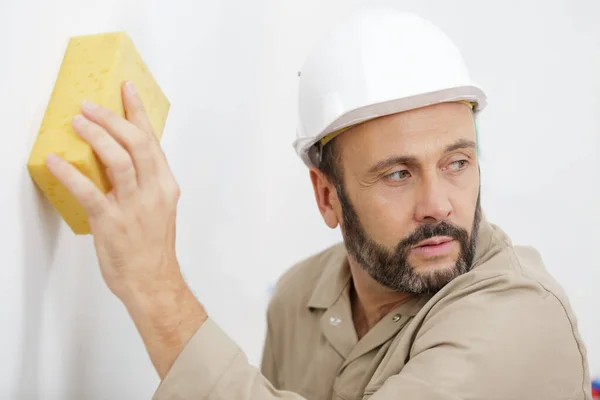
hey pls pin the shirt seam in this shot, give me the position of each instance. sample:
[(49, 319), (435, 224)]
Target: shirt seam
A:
[(514, 259), (220, 378), (273, 358), (566, 314)]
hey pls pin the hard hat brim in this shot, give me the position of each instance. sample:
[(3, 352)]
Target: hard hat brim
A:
[(470, 93)]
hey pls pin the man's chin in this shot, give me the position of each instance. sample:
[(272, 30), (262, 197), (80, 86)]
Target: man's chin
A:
[(443, 264), (422, 264), (434, 276)]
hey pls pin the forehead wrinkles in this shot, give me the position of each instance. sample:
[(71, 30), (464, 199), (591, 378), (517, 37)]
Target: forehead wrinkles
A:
[(401, 132)]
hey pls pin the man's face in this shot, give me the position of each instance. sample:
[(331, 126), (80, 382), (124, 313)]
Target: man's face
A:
[(409, 201)]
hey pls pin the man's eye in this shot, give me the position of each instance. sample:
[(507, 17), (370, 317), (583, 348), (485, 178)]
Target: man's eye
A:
[(398, 175), (458, 165)]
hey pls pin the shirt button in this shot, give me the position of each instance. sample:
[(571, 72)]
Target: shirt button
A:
[(396, 318), (335, 320)]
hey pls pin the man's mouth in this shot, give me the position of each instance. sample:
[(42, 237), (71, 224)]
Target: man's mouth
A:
[(435, 241), (436, 246)]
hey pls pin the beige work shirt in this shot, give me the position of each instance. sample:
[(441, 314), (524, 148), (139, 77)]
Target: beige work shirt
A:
[(504, 330)]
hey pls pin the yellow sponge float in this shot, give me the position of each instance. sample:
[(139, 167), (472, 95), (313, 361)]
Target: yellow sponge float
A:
[(94, 68)]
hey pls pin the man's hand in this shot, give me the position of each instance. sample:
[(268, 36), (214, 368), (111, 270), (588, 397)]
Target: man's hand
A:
[(134, 225)]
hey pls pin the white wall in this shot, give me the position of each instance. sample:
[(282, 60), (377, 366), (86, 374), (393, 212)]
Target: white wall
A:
[(247, 212)]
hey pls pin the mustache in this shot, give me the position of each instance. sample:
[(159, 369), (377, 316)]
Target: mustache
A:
[(428, 231)]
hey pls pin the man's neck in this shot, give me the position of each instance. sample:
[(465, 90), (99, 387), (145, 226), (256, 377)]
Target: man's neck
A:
[(370, 300)]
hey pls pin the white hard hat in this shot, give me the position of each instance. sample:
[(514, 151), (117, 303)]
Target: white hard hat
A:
[(376, 63)]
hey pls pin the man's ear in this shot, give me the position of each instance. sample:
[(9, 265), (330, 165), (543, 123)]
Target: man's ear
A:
[(326, 197)]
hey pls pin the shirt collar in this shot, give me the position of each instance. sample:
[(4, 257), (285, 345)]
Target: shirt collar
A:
[(336, 272), (334, 279)]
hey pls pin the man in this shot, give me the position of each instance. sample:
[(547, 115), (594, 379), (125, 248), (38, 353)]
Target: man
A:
[(425, 299)]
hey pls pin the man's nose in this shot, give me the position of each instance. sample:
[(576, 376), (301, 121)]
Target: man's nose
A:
[(433, 203)]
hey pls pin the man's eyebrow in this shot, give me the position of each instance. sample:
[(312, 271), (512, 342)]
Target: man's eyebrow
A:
[(391, 161), (396, 160), (460, 144)]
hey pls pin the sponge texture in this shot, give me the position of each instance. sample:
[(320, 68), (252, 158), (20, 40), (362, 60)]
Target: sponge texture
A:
[(94, 68)]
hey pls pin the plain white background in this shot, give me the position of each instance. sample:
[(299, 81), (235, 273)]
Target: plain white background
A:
[(247, 213)]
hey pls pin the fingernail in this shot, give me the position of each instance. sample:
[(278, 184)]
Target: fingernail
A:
[(130, 87), (79, 121), (52, 159), (89, 106)]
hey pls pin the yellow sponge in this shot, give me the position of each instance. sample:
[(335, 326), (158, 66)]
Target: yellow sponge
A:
[(94, 68)]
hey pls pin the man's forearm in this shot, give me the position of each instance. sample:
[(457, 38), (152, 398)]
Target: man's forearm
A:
[(166, 319)]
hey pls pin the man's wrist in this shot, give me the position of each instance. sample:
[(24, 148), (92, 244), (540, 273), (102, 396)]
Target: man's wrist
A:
[(152, 295), (167, 315)]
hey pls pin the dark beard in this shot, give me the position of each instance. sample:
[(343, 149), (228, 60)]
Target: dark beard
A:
[(392, 269)]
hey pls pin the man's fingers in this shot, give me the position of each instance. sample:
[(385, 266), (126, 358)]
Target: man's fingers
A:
[(134, 109), (137, 115), (141, 148), (83, 189), (114, 157)]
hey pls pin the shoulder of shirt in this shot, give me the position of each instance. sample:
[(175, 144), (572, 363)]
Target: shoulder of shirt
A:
[(508, 277), (295, 286), (514, 265), (510, 284), (512, 271)]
